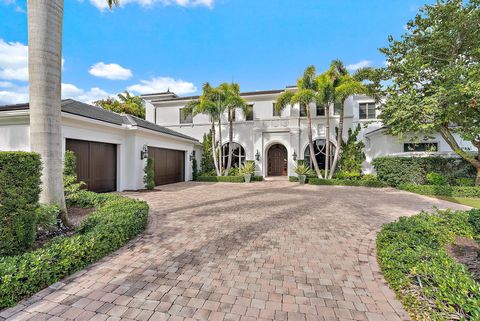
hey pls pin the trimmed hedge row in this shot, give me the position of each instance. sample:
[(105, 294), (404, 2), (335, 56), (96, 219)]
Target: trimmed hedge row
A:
[(430, 283), (441, 190), (413, 170), (345, 182), (227, 179), (115, 221), (20, 174)]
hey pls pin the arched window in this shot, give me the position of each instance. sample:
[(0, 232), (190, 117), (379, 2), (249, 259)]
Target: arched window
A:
[(238, 155), (320, 148)]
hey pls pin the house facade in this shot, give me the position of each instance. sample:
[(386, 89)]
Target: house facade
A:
[(276, 141), (111, 148)]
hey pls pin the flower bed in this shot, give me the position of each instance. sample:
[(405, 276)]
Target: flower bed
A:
[(115, 221), (413, 257)]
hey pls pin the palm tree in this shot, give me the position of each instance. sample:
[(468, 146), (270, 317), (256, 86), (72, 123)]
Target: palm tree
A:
[(307, 91), (233, 100), (325, 97), (45, 18), (344, 85)]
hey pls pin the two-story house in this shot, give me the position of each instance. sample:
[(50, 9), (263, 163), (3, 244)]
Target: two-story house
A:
[(276, 141)]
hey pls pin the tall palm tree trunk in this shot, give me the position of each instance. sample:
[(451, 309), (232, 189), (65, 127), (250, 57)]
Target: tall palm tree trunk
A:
[(230, 140), (310, 143), (339, 142), (214, 149), (327, 142), (220, 156), (45, 71)]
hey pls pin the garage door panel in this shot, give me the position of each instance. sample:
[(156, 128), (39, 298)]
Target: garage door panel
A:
[(168, 165)]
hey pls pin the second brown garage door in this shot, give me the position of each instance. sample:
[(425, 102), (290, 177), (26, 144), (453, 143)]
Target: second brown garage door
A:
[(169, 165), (96, 164)]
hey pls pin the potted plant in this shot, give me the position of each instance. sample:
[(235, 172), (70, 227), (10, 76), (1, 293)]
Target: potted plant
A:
[(302, 171), (247, 170)]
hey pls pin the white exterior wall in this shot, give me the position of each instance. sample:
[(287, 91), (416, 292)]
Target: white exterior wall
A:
[(129, 141), (290, 129)]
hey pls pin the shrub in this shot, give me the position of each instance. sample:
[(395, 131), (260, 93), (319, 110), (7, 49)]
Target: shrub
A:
[(413, 170), (455, 191), (224, 179), (465, 181), (47, 216), (247, 168), (115, 221), (346, 182), (369, 177), (70, 180), (436, 179), (149, 176), (431, 284), (302, 169), (474, 220), (194, 169), (352, 155), (352, 175), (20, 188)]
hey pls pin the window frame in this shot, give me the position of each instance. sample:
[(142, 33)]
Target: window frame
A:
[(317, 106), (252, 115), (304, 108), (367, 111), (407, 150), (183, 119), (274, 111)]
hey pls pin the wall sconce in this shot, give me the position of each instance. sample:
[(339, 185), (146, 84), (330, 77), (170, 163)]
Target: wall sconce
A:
[(257, 156), (144, 152), (192, 156), (294, 156)]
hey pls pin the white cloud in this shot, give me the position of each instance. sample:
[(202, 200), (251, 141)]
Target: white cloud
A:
[(160, 84), (12, 94), (102, 4), (360, 64), (110, 71), (13, 61), (87, 96)]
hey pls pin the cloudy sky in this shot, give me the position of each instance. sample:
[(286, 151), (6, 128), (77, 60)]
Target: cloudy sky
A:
[(148, 46)]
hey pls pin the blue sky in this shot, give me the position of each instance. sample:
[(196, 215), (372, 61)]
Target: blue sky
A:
[(150, 45)]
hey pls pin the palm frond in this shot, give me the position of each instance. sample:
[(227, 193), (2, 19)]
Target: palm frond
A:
[(112, 3), (283, 101)]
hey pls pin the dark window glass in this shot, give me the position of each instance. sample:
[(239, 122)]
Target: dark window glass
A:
[(185, 118), (232, 114), (337, 107), (320, 110), (275, 112), (249, 113), (320, 148), (238, 155), (303, 110), (420, 147), (367, 111)]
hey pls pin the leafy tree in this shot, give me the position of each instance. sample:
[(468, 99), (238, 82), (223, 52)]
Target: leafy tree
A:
[(149, 176), (434, 73), (125, 104), (352, 155), (206, 163)]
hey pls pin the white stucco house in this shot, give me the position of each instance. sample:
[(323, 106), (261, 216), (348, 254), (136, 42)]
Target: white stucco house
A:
[(276, 141), (111, 148)]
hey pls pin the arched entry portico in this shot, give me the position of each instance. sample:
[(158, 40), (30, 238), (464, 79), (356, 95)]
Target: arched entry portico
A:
[(277, 160)]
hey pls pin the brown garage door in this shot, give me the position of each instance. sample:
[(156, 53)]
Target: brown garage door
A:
[(96, 164), (168, 165)]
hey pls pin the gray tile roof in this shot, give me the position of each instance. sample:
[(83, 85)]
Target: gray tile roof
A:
[(78, 108)]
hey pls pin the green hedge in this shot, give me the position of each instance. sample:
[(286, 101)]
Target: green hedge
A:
[(345, 182), (430, 283), (115, 221), (413, 170), (227, 179), (440, 190), (20, 174)]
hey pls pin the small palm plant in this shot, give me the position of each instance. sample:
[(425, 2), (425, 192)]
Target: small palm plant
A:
[(247, 170), (303, 171)]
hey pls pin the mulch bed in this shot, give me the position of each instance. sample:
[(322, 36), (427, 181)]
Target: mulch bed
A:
[(467, 252)]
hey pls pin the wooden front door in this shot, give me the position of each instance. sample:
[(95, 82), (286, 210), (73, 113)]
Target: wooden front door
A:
[(96, 164), (277, 160), (168, 164)]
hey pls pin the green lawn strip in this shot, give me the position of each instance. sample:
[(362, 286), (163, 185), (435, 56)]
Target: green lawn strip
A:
[(430, 283), (473, 202)]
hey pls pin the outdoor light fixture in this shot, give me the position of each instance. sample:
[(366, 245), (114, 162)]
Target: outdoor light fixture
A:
[(192, 156), (144, 152), (294, 156), (257, 156)]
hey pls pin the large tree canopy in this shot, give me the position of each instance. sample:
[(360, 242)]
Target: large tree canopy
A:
[(434, 76), (125, 104)]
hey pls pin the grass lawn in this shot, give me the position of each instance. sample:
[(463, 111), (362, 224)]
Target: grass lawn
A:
[(473, 202)]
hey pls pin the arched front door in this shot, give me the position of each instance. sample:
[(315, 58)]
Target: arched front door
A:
[(277, 160)]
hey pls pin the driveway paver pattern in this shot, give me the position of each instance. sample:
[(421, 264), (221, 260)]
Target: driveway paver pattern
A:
[(260, 251)]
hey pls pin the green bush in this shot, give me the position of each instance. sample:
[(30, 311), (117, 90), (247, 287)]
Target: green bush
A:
[(70, 180), (20, 174), (257, 178), (431, 284), (47, 216), (465, 181), (436, 179), (346, 182), (149, 176), (194, 169), (413, 170), (295, 179), (438, 190), (115, 221), (353, 175), (224, 179), (474, 220)]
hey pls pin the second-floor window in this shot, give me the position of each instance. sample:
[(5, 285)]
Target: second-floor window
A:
[(275, 112), (337, 107), (367, 111), (185, 118), (232, 114), (420, 147), (320, 110), (249, 113), (303, 110)]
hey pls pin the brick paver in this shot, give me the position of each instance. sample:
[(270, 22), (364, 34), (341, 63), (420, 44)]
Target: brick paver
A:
[(261, 251)]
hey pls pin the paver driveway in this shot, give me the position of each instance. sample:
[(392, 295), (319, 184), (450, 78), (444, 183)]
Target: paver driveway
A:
[(266, 251)]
